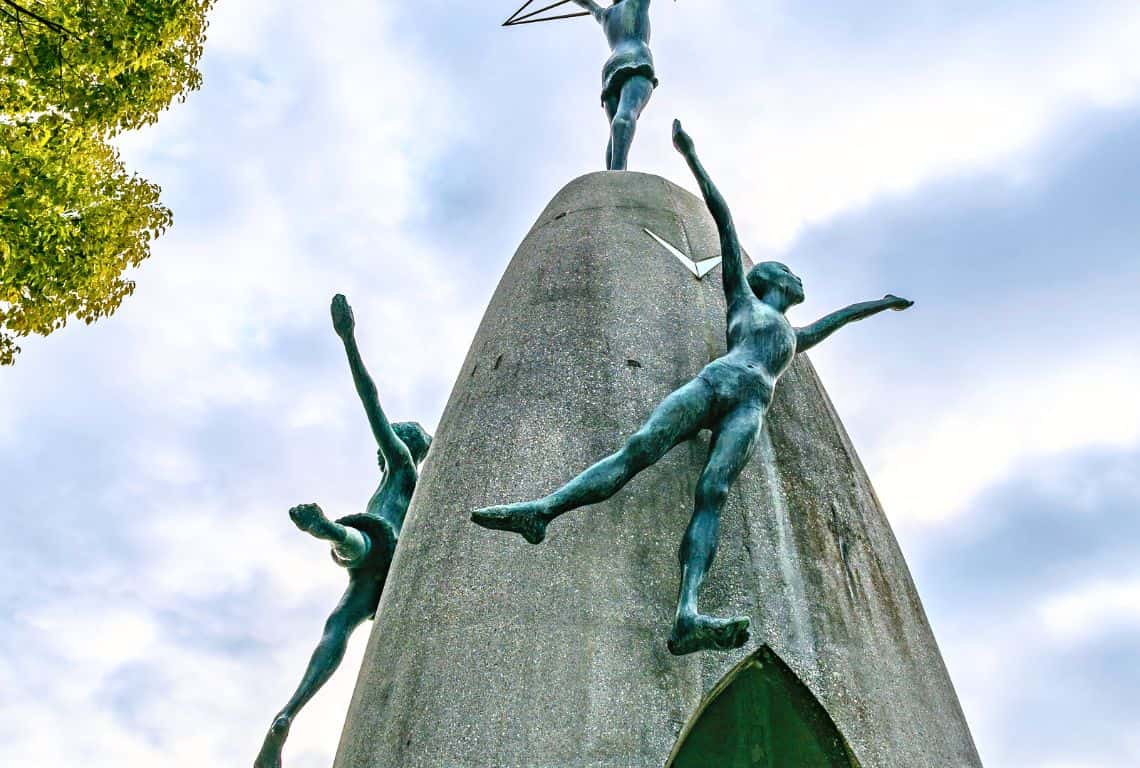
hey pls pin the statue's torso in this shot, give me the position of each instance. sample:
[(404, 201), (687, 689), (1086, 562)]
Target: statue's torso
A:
[(627, 29), (391, 499), (381, 522), (627, 24), (761, 345)]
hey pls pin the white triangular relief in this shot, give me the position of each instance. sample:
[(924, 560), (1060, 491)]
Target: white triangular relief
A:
[(698, 268)]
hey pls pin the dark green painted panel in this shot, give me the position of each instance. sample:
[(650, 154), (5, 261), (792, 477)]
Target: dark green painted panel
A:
[(762, 716)]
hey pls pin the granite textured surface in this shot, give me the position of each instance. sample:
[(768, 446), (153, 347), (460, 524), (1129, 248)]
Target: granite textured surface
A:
[(488, 651)]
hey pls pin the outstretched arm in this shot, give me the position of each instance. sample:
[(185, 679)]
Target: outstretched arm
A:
[(594, 9), (732, 264), (808, 337), (349, 544), (395, 452)]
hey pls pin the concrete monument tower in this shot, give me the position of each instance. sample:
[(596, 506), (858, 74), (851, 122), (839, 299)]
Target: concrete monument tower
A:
[(487, 651)]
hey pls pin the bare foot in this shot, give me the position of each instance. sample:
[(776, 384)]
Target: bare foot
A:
[(311, 519), (524, 518), (270, 754), (700, 633)]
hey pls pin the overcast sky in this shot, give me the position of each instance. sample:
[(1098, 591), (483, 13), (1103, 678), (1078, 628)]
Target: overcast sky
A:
[(982, 158)]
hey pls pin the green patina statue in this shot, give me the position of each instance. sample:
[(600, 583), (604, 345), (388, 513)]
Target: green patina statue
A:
[(628, 79), (363, 544), (729, 397)]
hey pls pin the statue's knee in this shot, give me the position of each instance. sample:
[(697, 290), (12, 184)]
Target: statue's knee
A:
[(281, 724), (639, 449), (712, 494), (624, 121)]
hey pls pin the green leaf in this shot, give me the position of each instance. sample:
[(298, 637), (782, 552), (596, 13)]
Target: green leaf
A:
[(72, 218)]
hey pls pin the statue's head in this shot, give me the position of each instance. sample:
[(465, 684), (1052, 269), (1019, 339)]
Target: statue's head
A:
[(415, 437), (772, 275)]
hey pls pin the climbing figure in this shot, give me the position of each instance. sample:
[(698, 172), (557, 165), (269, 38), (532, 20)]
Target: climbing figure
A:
[(363, 543), (729, 397)]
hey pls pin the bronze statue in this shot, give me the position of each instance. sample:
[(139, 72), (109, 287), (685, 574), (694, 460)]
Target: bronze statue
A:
[(628, 79), (729, 397), (363, 544)]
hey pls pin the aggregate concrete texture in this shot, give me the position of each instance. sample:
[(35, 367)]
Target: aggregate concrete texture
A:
[(488, 651)]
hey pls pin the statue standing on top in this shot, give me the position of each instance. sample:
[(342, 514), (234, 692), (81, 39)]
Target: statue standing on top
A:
[(730, 397), (363, 544), (628, 79)]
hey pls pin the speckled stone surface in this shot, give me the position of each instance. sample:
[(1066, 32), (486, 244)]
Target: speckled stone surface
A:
[(488, 651)]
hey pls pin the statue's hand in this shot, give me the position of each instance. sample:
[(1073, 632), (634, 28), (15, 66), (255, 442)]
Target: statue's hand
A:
[(897, 303), (343, 321), (307, 517), (681, 140), (381, 460)]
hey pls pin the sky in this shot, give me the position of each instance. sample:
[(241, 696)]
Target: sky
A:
[(983, 159)]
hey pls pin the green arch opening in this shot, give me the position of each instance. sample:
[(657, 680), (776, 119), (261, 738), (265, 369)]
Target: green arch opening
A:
[(761, 715)]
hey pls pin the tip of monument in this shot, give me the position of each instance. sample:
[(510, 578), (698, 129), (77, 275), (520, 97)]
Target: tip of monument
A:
[(617, 177), (617, 189)]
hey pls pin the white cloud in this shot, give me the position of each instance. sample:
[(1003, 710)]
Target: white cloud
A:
[(108, 637), (817, 128), (927, 471), (1089, 610)]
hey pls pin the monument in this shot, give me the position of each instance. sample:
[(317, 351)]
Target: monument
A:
[(488, 651)]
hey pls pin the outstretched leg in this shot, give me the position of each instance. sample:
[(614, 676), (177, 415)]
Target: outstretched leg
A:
[(731, 447), (678, 417), (349, 544), (635, 93), (357, 604)]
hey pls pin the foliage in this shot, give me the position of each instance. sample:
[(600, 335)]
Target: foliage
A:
[(71, 222), (73, 74)]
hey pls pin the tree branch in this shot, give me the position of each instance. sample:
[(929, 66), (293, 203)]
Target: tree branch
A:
[(52, 25), (24, 41)]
